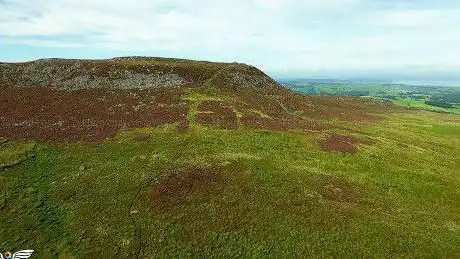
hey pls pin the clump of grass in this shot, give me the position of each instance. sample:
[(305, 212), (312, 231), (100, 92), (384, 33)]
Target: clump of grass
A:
[(183, 126), (14, 152), (142, 137)]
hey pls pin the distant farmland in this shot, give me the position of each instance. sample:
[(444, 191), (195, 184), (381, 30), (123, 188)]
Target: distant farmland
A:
[(425, 97)]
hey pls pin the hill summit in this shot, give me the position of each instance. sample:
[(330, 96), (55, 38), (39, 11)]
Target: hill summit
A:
[(131, 72)]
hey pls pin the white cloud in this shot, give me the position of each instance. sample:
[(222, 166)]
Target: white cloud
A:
[(268, 3), (275, 34), (417, 18)]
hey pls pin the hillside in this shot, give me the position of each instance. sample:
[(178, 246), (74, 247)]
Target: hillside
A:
[(92, 99), (150, 157)]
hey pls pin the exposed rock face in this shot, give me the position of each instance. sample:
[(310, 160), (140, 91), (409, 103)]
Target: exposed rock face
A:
[(130, 72), (244, 76), (76, 74)]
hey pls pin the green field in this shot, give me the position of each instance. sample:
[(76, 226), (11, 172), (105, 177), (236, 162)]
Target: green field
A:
[(432, 98), (412, 103), (238, 193)]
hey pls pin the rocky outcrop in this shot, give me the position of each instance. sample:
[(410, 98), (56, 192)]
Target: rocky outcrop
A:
[(78, 74), (131, 72)]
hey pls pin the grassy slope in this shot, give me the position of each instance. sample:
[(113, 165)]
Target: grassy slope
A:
[(271, 194)]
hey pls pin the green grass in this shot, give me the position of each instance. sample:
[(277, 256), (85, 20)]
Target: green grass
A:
[(13, 153), (408, 96), (271, 199), (420, 104)]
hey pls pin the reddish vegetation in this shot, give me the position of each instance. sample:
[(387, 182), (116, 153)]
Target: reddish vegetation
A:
[(175, 187), (356, 109), (258, 99), (340, 143), (87, 115), (141, 137), (336, 189), (288, 110), (280, 102), (95, 114), (201, 186), (217, 113), (283, 123), (101, 107)]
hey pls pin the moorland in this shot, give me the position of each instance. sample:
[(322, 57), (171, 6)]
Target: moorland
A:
[(153, 158)]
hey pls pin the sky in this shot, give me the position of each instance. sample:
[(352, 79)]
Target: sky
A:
[(404, 39)]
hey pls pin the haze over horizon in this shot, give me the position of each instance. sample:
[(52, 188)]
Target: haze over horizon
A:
[(404, 40)]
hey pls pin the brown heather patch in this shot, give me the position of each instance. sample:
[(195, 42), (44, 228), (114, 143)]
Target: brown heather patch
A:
[(355, 109), (227, 121), (257, 99), (175, 187), (255, 121), (289, 110), (337, 189), (95, 114), (218, 114), (280, 102), (340, 143), (281, 124), (185, 194), (85, 115), (141, 137)]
